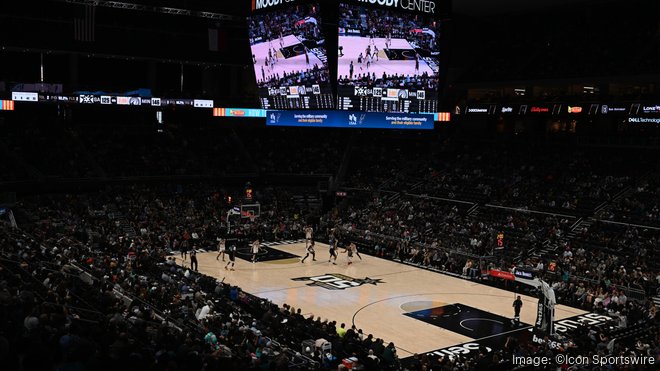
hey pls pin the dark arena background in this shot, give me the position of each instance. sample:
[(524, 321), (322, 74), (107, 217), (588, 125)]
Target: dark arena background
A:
[(199, 185)]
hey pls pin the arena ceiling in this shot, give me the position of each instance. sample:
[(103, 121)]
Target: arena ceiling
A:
[(494, 7), (466, 7)]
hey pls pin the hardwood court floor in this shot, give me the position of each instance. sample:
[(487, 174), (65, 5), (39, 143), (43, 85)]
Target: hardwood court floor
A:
[(375, 308)]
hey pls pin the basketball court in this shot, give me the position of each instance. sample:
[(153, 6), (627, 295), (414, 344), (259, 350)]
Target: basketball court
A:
[(399, 58), (417, 309), (290, 57)]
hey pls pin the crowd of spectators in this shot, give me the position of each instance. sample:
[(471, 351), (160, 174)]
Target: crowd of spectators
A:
[(624, 254), (273, 25), (573, 182), (639, 205), (319, 151), (385, 81), (64, 159), (426, 231), (138, 150), (81, 293), (143, 151), (445, 236), (307, 77), (585, 342), (463, 239), (440, 207), (378, 23), (302, 21), (373, 22)]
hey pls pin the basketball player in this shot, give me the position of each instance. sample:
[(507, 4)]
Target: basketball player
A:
[(306, 57), (416, 63), (350, 71), (376, 52), (255, 250), (184, 249), (309, 235), (310, 250), (281, 39), (349, 253), (193, 259), (221, 249), (355, 250), (333, 247), (232, 256), (517, 305)]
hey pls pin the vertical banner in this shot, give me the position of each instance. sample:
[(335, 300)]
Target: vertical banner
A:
[(84, 26)]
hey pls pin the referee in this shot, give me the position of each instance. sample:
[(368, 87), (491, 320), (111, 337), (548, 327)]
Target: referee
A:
[(517, 305)]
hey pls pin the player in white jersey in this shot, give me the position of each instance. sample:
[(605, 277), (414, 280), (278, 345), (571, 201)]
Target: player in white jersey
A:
[(255, 250), (309, 235), (221, 248)]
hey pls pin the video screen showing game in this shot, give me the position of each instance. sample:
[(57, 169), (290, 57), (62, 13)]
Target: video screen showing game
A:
[(290, 58), (388, 60)]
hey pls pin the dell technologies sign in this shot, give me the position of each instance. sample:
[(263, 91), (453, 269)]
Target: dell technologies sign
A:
[(423, 6)]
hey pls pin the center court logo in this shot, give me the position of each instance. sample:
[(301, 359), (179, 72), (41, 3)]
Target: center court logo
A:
[(335, 281)]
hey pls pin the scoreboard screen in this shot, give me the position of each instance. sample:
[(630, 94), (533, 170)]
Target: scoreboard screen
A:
[(290, 58), (388, 56)]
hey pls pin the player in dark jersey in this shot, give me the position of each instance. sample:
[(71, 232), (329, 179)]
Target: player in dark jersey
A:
[(310, 250), (184, 249), (355, 250), (231, 252), (332, 238), (517, 305), (194, 264), (333, 252)]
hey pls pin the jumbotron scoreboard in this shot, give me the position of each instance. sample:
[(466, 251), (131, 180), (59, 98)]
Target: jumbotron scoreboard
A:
[(289, 55), (386, 57)]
